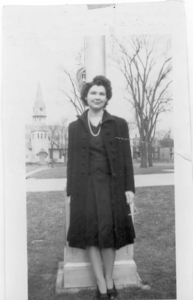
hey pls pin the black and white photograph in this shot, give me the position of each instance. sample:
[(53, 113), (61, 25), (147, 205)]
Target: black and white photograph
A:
[(91, 101)]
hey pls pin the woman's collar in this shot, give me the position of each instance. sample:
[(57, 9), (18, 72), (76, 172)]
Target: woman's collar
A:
[(106, 116)]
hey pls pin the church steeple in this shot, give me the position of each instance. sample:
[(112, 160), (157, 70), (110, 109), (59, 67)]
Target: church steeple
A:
[(39, 108)]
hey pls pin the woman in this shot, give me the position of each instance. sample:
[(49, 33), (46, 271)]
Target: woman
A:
[(100, 182)]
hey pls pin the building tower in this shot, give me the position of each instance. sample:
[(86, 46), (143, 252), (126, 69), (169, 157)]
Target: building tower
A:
[(39, 132), (39, 108)]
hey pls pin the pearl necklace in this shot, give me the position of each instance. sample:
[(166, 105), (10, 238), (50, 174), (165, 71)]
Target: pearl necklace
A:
[(89, 125)]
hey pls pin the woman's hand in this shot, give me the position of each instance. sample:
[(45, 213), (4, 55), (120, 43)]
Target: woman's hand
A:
[(129, 197)]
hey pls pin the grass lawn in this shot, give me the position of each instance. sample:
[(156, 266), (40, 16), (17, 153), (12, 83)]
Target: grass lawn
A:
[(30, 168), (154, 248), (60, 171), (56, 172), (156, 169)]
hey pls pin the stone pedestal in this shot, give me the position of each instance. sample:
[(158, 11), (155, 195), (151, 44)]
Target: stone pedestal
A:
[(76, 272)]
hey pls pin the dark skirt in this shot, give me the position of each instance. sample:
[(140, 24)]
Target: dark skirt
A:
[(100, 225)]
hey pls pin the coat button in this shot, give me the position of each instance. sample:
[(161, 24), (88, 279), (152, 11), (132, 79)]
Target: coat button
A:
[(84, 137)]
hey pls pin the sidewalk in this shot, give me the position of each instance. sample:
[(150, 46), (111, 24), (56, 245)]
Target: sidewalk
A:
[(35, 171), (154, 179), (59, 184)]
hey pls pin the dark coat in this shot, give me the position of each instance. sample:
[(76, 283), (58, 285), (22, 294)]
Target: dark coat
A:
[(114, 131)]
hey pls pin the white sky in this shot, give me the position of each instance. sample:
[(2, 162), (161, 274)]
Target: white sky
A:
[(39, 42)]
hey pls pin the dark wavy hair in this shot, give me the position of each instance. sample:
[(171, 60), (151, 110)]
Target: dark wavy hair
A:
[(98, 80)]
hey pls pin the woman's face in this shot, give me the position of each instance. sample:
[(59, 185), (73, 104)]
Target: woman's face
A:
[(96, 97)]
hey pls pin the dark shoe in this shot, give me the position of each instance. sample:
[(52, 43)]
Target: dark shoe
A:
[(100, 295), (112, 293)]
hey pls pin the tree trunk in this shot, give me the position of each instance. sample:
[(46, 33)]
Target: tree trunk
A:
[(143, 155), (64, 154), (150, 162), (52, 160)]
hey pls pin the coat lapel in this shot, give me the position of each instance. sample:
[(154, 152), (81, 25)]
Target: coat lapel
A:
[(83, 118), (107, 117)]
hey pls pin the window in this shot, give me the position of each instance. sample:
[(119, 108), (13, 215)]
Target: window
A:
[(45, 135), (38, 135), (41, 135), (156, 149), (156, 155)]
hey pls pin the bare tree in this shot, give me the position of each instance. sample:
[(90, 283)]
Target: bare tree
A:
[(53, 138), (147, 85), (162, 134), (131, 126), (76, 80), (62, 138), (74, 93)]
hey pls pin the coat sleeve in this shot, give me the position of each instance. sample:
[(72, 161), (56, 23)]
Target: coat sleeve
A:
[(128, 164), (69, 160)]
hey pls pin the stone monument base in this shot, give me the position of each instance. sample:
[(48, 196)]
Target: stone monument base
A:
[(72, 277)]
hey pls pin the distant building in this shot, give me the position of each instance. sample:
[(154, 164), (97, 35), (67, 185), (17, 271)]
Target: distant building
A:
[(161, 149), (167, 149), (38, 148), (136, 148)]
